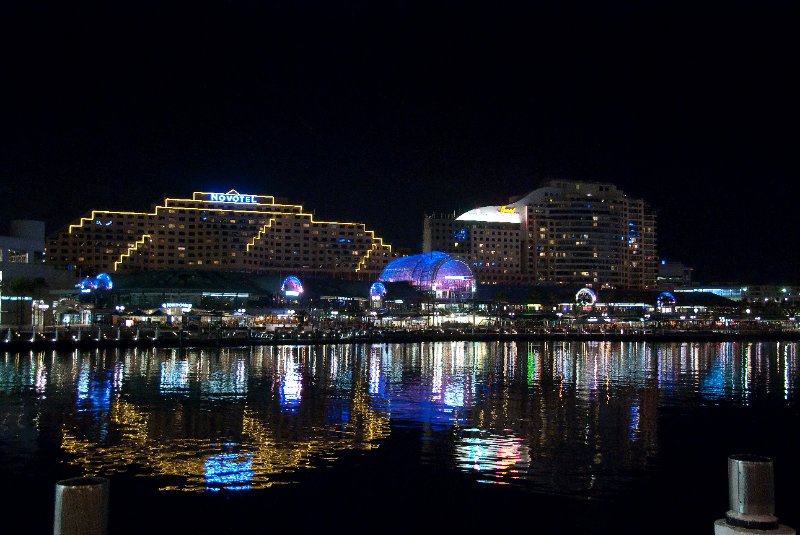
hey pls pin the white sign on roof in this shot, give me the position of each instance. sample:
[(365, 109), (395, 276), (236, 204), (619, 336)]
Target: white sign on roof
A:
[(492, 214)]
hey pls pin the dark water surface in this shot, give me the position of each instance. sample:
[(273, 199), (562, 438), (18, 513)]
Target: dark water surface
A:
[(582, 437)]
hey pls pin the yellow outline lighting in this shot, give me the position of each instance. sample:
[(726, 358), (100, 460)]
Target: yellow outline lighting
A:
[(270, 203), (132, 248), (302, 214), (260, 233), (374, 247)]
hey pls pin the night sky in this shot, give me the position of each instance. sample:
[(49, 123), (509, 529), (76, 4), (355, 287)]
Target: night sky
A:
[(381, 112)]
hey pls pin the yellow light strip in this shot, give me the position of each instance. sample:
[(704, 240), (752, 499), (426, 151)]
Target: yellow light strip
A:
[(166, 205), (260, 233), (132, 248), (226, 210), (374, 248), (364, 259)]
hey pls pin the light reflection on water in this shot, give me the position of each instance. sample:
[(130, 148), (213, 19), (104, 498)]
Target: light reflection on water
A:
[(564, 417)]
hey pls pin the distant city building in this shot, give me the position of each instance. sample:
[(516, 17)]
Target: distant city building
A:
[(773, 294), (219, 231), (24, 244), (567, 232), (22, 256), (26, 282), (734, 293), (757, 294), (491, 248), (673, 275)]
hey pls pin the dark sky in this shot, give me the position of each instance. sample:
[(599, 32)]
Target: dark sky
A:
[(383, 111)]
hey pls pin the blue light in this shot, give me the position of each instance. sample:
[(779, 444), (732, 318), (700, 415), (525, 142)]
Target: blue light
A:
[(291, 287), (635, 420), (586, 296), (229, 471), (93, 391), (291, 388), (378, 289), (665, 299), (87, 285), (101, 282)]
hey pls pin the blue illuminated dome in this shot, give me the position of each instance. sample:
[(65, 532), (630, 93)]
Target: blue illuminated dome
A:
[(291, 287), (586, 296), (435, 271), (103, 281), (665, 299), (377, 290), (87, 285)]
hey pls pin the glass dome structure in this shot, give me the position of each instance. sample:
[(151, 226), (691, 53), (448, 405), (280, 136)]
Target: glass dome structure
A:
[(665, 299), (585, 296), (89, 284), (377, 290), (436, 272), (291, 287), (103, 281)]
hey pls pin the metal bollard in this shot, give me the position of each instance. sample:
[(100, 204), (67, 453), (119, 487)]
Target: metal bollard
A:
[(751, 498), (81, 506), (751, 492)]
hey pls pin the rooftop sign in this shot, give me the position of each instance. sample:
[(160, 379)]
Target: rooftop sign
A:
[(492, 214), (232, 196)]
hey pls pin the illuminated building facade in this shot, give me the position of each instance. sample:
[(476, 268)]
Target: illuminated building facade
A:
[(25, 278), (568, 232), (492, 249), (219, 231), (25, 244)]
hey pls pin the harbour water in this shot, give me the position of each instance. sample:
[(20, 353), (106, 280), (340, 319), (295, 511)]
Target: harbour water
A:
[(556, 437)]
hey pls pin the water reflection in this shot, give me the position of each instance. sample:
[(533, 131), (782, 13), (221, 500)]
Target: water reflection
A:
[(229, 471), (562, 417), (495, 458)]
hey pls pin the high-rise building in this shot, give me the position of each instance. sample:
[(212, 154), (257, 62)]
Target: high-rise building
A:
[(487, 239), (25, 244), (572, 232), (219, 231)]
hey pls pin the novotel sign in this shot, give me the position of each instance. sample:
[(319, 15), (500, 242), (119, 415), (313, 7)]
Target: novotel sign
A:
[(232, 197)]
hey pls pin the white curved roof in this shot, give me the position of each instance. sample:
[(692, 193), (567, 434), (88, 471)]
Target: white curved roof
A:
[(492, 214)]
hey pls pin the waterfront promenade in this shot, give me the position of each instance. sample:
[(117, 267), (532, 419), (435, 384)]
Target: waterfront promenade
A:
[(89, 337)]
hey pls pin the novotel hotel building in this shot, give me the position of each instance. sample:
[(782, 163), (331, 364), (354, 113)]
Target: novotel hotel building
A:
[(219, 231), (570, 232)]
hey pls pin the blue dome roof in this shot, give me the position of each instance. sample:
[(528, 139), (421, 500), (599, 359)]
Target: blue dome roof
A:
[(434, 270)]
